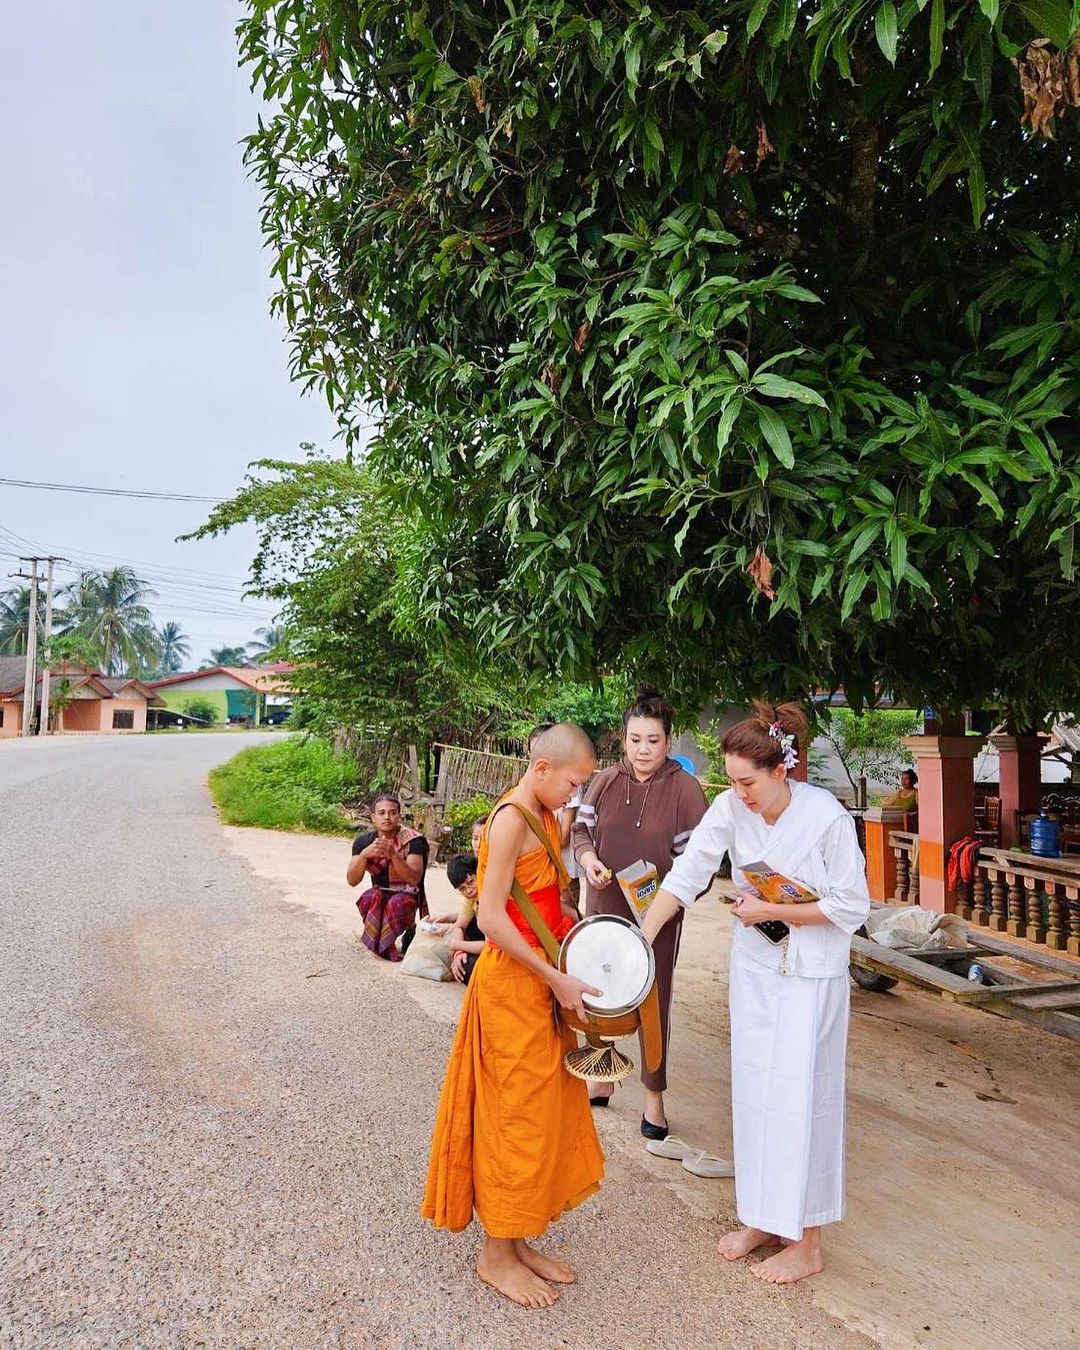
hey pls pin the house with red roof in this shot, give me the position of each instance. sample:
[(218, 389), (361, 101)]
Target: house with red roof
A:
[(240, 695), (81, 700)]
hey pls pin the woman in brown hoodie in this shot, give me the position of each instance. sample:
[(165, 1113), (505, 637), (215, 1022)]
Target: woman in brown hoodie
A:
[(646, 806)]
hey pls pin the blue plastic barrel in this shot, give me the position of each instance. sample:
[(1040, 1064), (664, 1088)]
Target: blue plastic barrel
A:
[(1045, 836), (685, 761)]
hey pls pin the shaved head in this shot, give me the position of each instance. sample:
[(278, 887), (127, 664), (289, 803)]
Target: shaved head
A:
[(563, 743)]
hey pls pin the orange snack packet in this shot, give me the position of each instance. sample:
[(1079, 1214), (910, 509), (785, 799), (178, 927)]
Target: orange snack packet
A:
[(775, 887)]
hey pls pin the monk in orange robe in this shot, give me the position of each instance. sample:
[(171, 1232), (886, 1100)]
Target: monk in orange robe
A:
[(514, 1138)]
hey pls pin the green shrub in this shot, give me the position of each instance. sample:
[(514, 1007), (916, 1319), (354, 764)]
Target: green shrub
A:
[(460, 816), (294, 784), (199, 709), (716, 779)]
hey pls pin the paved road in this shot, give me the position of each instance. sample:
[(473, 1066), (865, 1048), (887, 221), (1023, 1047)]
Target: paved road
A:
[(214, 1113)]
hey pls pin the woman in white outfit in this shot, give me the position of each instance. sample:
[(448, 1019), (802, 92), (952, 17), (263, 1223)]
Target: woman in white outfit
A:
[(789, 1001)]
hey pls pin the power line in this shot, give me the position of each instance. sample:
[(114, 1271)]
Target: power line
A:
[(110, 492), (195, 597), (166, 571), (168, 580)]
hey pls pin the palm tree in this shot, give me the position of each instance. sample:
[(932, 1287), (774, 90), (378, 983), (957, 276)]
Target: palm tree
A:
[(227, 656), (15, 619), (267, 640), (109, 610), (173, 648)]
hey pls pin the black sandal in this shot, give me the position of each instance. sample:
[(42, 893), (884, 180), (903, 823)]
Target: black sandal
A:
[(651, 1131), (601, 1101)]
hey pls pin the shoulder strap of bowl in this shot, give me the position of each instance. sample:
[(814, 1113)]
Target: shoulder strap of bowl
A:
[(524, 901), (553, 853), (535, 920)]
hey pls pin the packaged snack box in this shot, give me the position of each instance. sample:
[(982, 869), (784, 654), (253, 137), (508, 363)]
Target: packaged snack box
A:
[(639, 882), (774, 887)]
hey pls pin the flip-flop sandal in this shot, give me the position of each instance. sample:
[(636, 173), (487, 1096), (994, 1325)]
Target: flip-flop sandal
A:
[(706, 1164), (671, 1147)]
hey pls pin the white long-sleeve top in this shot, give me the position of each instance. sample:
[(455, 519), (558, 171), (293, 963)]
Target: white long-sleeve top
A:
[(813, 842)]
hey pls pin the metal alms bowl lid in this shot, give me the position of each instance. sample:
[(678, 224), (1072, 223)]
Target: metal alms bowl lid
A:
[(612, 954)]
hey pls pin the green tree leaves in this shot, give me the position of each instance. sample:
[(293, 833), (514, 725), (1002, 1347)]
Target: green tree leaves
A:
[(886, 32), (644, 291)]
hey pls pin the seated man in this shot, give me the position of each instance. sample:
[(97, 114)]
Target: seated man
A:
[(466, 938), (395, 857)]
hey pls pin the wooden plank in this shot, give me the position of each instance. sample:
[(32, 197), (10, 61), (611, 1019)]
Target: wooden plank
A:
[(1015, 860), (940, 955), (1059, 1000), (1046, 1019), (1011, 987), (1046, 959), (887, 961)]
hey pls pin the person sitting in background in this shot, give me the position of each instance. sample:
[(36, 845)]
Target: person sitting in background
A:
[(477, 830), (907, 797), (466, 938), (395, 857)]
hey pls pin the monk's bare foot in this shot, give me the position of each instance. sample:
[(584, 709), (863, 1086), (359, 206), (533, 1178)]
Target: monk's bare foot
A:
[(498, 1265), (734, 1246), (547, 1267), (797, 1261)]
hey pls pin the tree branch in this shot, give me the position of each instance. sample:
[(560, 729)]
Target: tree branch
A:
[(865, 155)]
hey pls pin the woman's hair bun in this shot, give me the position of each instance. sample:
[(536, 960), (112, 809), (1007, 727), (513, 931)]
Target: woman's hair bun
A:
[(649, 702), (791, 717), (751, 739)]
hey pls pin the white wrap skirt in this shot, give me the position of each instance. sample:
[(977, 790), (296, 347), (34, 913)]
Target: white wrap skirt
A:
[(788, 1058)]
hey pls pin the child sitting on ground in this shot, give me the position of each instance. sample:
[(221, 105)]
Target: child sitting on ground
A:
[(466, 939)]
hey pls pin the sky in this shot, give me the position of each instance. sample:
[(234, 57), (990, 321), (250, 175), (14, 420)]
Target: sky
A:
[(136, 346)]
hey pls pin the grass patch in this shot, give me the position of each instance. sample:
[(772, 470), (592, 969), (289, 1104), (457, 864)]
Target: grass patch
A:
[(296, 784)]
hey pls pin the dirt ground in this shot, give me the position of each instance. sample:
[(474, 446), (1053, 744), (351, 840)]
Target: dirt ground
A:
[(963, 1134)]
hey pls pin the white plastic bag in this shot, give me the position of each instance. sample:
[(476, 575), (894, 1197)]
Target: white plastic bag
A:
[(428, 957), (922, 928)]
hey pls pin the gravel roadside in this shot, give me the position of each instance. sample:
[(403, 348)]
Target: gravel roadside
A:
[(215, 1116)]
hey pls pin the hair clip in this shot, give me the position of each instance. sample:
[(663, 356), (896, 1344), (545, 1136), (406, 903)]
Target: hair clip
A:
[(787, 745)]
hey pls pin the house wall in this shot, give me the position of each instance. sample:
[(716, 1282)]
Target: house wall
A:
[(86, 712), (177, 695), (83, 714), (12, 714), (137, 706)]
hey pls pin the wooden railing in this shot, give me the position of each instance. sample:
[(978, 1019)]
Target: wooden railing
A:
[(905, 847), (1033, 898)]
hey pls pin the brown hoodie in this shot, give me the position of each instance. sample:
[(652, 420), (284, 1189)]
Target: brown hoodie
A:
[(623, 820)]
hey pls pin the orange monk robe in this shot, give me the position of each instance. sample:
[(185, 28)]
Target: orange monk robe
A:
[(514, 1137)]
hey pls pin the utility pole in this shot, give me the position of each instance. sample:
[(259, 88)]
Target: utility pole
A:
[(43, 720), (31, 643)]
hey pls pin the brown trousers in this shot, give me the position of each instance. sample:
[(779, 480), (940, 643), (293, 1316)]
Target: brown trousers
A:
[(665, 952)]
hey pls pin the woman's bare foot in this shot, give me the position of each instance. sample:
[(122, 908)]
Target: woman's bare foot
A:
[(795, 1262), (547, 1267), (499, 1266), (734, 1246)]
